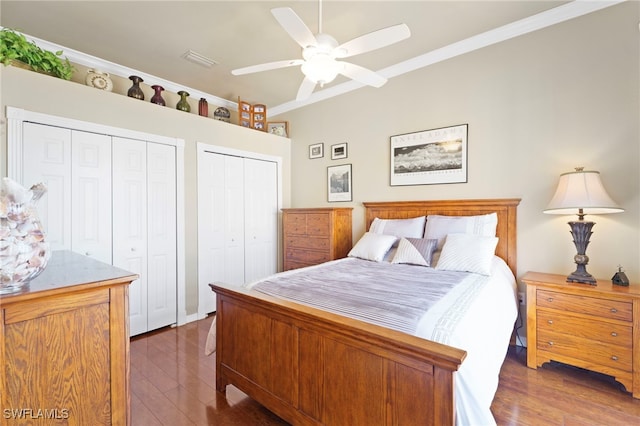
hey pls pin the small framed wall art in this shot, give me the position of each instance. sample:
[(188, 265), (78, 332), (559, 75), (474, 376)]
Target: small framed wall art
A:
[(430, 157), (316, 150), (339, 151), (339, 187), (279, 128)]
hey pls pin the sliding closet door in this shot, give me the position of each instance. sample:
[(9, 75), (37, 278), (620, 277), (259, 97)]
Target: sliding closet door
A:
[(260, 218), (46, 158), (91, 195), (161, 236), (130, 223)]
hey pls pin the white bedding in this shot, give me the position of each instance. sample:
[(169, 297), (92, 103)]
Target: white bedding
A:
[(476, 318)]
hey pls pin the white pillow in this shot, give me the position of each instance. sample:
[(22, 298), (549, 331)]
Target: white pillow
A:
[(467, 253), (372, 246), (408, 228), (438, 227), (415, 251)]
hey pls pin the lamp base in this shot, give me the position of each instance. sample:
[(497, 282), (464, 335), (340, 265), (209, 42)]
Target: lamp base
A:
[(581, 231)]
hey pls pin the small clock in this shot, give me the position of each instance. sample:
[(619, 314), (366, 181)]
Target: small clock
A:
[(99, 80)]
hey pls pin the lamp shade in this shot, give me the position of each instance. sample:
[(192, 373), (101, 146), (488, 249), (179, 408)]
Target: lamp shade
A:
[(581, 192)]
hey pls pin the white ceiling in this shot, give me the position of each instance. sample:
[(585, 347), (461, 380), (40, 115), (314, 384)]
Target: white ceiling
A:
[(151, 36)]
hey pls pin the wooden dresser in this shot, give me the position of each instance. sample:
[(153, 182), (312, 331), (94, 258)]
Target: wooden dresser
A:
[(64, 346), (588, 326), (313, 236)]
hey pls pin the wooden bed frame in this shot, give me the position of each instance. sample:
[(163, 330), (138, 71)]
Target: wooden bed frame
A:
[(312, 367)]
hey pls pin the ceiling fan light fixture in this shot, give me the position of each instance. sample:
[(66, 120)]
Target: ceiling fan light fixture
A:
[(322, 69)]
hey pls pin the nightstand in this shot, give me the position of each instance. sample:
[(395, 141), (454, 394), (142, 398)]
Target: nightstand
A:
[(588, 326)]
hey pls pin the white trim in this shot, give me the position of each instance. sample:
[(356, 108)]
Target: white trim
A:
[(202, 149), (17, 116)]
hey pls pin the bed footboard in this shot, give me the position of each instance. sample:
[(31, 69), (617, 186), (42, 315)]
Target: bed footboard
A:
[(313, 367)]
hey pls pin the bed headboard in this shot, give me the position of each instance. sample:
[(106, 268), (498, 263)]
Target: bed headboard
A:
[(505, 209)]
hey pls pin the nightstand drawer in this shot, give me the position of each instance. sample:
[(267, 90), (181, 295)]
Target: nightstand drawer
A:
[(585, 305), (593, 353), (605, 332)]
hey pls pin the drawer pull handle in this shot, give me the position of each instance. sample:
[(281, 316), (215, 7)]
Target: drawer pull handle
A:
[(550, 321), (614, 334), (550, 299), (614, 310), (615, 358)]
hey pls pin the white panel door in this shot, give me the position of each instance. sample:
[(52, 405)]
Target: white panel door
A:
[(261, 219), (47, 158), (130, 223), (161, 236), (220, 225), (91, 195)]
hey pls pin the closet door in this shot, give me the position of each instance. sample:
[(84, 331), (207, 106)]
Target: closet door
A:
[(91, 195), (46, 158), (260, 218), (220, 225), (130, 223), (161, 236)]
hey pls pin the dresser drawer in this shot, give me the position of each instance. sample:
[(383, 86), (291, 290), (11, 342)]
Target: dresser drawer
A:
[(604, 332), (307, 243), (307, 256), (586, 305), (318, 225), (593, 353), (295, 224)]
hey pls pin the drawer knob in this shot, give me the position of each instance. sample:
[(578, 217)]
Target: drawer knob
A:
[(550, 343), (615, 358), (550, 321), (550, 299), (614, 310), (614, 334)]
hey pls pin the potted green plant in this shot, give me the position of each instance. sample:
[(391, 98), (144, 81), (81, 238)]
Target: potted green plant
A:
[(14, 46)]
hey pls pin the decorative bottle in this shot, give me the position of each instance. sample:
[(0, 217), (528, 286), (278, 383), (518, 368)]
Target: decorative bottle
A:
[(203, 107), (157, 97), (183, 104), (135, 91)]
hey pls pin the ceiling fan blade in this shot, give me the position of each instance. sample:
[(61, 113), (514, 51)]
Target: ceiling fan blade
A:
[(372, 41), (306, 89), (294, 26), (362, 75), (268, 66)]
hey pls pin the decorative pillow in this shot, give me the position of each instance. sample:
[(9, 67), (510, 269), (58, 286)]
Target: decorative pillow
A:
[(415, 251), (439, 227), (467, 253), (372, 246), (407, 228)]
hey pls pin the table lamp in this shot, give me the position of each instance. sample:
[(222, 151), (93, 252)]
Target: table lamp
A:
[(581, 192)]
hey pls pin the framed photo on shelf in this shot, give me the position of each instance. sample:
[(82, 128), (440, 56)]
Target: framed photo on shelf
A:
[(339, 186), (279, 128), (316, 150), (430, 157), (339, 151)]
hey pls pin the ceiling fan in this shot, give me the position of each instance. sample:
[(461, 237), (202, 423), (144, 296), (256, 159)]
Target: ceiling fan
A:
[(320, 52)]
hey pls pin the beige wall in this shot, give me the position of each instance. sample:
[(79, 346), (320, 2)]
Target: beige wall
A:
[(536, 106), (35, 92)]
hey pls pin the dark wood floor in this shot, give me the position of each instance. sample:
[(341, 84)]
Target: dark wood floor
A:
[(173, 383)]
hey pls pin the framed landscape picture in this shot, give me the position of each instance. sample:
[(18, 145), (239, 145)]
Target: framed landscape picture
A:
[(430, 157), (316, 150), (339, 186)]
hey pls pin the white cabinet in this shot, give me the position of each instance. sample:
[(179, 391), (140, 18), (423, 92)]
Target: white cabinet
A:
[(113, 199), (237, 221)]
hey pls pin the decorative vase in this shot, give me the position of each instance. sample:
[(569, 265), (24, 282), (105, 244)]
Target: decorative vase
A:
[(99, 80), (135, 91), (24, 252), (157, 97), (222, 114), (203, 107), (183, 104)]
